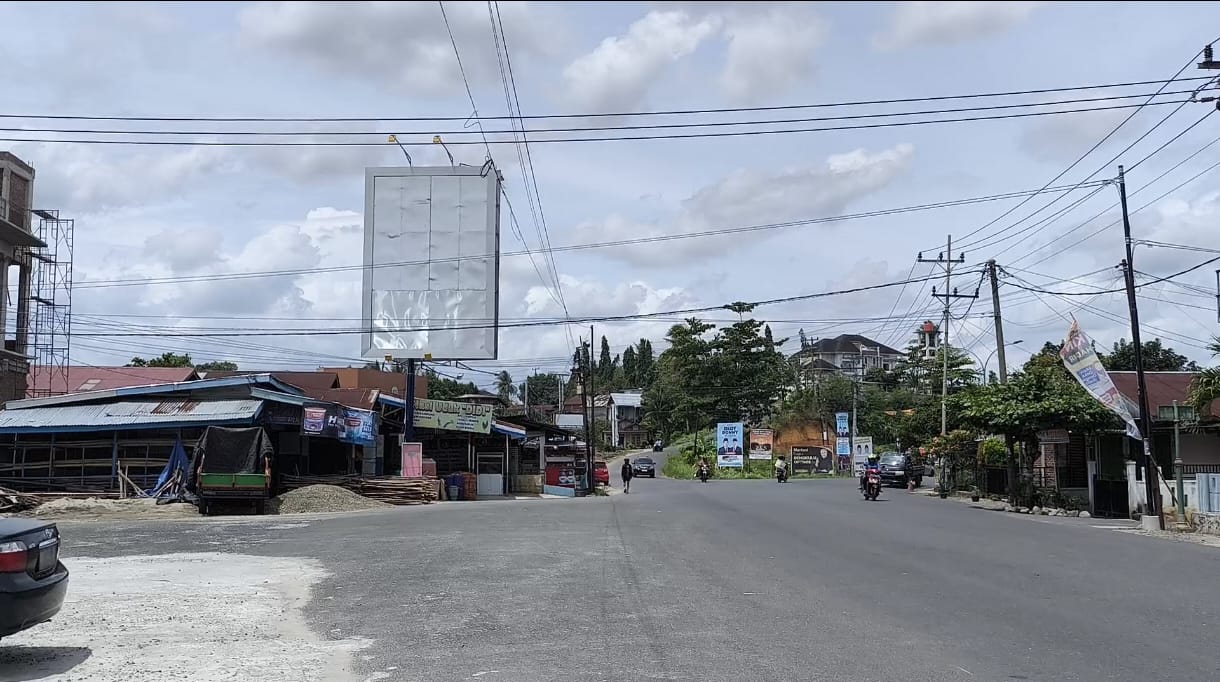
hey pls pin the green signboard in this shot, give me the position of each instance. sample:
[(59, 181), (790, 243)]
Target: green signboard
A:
[(451, 416)]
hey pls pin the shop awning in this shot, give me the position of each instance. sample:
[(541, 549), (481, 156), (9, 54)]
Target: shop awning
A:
[(126, 416), (510, 430)]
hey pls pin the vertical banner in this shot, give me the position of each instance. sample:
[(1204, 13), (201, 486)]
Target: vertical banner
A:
[(842, 427), (728, 445), (1082, 361), (762, 442), (843, 452), (864, 448)]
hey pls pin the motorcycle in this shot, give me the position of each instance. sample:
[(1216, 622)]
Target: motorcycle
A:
[(704, 473), (781, 475), (872, 484)]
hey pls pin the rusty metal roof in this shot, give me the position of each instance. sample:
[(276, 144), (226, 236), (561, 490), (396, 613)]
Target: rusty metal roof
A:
[(128, 415)]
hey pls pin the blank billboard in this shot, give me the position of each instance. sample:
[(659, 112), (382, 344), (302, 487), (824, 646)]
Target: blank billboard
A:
[(431, 262)]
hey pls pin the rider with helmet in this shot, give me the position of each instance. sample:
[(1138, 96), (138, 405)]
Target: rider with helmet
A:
[(874, 462)]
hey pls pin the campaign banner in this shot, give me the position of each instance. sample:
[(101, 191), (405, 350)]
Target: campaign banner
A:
[(811, 459), (843, 446), (762, 442), (729, 453), (331, 420), (1082, 361), (842, 427), (863, 448), (451, 416)]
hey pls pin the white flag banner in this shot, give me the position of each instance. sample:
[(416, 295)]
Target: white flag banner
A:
[(1082, 361)]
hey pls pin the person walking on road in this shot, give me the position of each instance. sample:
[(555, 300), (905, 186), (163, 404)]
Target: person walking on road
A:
[(626, 474)]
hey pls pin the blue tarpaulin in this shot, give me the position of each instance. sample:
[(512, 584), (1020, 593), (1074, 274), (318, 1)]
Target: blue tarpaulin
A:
[(178, 461)]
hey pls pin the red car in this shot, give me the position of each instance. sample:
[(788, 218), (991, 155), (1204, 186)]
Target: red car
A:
[(601, 473)]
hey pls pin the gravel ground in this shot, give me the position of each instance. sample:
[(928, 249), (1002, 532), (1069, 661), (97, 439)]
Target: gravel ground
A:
[(313, 499), (205, 617), (98, 509)]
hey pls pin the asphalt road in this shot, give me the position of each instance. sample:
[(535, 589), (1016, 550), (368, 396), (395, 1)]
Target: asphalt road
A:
[(732, 580)]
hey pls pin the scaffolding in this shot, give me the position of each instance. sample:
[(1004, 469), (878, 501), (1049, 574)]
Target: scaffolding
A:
[(51, 299)]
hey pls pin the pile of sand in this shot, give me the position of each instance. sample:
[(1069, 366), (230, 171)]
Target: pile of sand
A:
[(313, 499), (95, 508)]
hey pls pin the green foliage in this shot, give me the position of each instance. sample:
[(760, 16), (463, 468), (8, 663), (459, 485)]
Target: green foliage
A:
[(1157, 358), (993, 453), (184, 360), (1206, 387), (709, 375), (924, 374), (445, 388), (543, 389), (505, 388), (1040, 397)]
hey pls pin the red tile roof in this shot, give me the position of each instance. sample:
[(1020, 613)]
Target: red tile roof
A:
[(1163, 389), (46, 381)]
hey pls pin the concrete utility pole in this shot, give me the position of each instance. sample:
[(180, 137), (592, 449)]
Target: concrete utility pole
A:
[(945, 260), (1152, 490), (999, 323)]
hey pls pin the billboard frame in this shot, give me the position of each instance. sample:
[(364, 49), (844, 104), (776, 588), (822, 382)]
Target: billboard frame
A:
[(371, 174)]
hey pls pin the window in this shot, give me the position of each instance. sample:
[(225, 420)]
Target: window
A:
[(1165, 413)]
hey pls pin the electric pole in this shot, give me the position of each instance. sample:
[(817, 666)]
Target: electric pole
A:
[(999, 323), (945, 260), (1152, 490)]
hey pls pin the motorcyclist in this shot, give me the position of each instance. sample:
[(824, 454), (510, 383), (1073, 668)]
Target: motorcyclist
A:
[(703, 467), (781, 468), (874, 462)]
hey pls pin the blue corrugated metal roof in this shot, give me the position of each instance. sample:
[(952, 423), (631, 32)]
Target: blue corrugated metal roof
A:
[(129, 415), (136, 391)]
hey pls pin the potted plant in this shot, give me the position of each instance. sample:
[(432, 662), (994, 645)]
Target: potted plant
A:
[(974, 494)]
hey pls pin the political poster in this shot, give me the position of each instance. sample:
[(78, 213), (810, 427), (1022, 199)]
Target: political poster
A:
[(842, 425), (761, 443), (1082, 361), (729, 452), (811, 459), (863, 447), (843, 446)]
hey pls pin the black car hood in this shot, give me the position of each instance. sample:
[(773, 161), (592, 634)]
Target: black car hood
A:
[(10, 527)]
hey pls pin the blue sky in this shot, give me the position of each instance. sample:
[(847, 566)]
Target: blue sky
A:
[(177, 211)]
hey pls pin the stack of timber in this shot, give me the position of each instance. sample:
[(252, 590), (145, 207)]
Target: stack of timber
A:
[(388, 489), (12, 501)]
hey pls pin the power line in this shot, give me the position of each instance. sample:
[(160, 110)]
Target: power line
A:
[(521, 129), (604, 138), (101, 284), (1114, 291), (620, 114)]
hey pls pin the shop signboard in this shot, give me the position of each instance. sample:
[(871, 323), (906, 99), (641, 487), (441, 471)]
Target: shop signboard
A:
[(331, 420), (729, 453), (452, 416), (762, 441)]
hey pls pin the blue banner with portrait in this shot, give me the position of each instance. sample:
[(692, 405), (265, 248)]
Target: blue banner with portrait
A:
[(331, 420), (729, 440)]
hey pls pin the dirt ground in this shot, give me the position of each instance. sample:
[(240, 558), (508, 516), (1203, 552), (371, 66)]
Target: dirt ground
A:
[(101, 509), (206, 617)]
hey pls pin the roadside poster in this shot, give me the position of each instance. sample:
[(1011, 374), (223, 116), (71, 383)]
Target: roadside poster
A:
[(762, 441), (842, 427), (331, 420), (729, 440), (811, 459), (412, 460), (843, 446), (863, 448), (1082, 361)]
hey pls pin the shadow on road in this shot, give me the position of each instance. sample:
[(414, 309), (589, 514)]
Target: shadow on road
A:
[(21, 663)]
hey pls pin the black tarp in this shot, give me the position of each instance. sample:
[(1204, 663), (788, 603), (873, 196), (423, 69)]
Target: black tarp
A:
[(232, 451)]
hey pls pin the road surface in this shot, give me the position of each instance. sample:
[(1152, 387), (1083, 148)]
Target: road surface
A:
[(730, 580)]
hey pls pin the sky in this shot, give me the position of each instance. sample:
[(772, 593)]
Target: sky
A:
[(174, 241)]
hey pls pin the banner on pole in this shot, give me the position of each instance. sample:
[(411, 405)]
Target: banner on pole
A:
[(842, 428), (762, 441), (729, 450), (1082, 361)]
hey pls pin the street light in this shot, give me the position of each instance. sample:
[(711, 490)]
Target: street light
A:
[(992, 353)]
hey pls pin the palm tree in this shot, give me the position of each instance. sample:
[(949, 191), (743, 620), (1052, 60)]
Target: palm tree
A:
[(1206, 386), (505, 388)]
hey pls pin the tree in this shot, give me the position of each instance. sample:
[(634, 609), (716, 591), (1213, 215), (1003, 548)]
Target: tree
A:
[(543, 389), (165, 360), (217, 366), (1157, 358), (505, 388), (605, 368), (447, 388), (924, 374), (1205, 389), (630, 368), (645, 364)]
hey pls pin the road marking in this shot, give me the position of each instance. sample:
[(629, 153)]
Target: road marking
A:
[(485, 672), (964, 670)]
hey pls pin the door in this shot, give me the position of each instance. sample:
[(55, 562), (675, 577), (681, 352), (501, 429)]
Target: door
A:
[(490, 472)]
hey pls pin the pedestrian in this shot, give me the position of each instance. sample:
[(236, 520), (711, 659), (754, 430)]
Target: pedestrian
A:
[(626, 474)]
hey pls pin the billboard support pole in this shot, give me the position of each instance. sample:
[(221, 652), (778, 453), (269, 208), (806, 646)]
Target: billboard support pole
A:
[(408, 418)]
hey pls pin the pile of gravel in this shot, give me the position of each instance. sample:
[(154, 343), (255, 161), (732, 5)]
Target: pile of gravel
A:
[(313, 499)]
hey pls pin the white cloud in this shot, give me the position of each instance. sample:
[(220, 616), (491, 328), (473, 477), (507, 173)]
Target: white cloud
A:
[(769, 51), (1064, 137), (946, 23), (618, 73), (751, 197), (404, 44)]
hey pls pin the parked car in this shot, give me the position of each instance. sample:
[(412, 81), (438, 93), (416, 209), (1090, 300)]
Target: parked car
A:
[(601, 473), (644, 466), (897, 469), (33, 582)]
